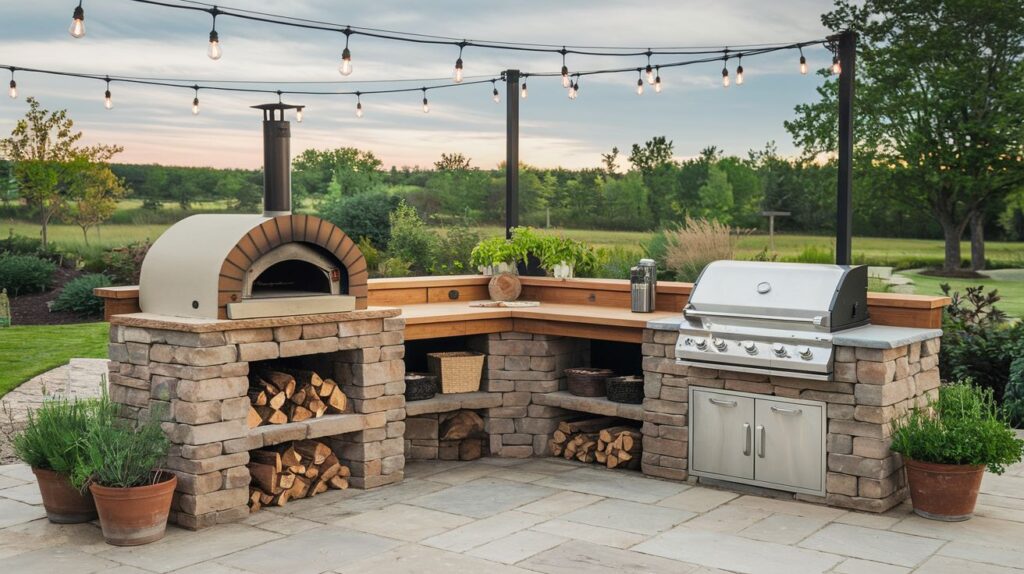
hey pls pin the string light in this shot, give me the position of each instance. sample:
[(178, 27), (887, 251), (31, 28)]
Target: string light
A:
[(739, 71), (458, 65), (803, 63), (494, 92), (566, 81), (77, 29), (649, 70), (108, 102), (639, 83), (195, 102), (522, 91), (574, 88), (657, 80), (725, 72), (13, 91), (836, 68), (298, 113), (359, 105), (345, 68), (214, 51), (426, 104)]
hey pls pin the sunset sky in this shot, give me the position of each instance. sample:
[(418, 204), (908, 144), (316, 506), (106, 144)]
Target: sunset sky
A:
[(155, 124)]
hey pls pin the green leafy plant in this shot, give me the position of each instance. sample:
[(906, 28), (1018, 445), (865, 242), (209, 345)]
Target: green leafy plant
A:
[(124, 264), (52, 438), (411, 240), (493, 251), (77, 296), (366, 214), (553, 250), (1013, 398), (963, 426), (21, 274), (118, 455)]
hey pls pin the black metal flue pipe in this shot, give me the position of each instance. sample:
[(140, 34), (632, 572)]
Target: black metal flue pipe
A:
[(277, 172)]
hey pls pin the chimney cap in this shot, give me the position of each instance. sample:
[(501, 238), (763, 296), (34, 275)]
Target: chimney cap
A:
[(277, 106)]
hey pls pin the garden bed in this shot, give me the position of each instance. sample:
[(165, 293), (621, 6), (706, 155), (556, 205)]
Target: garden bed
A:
[(34, 309)]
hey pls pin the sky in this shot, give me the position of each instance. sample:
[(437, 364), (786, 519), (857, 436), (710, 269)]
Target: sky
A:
[(155, 124)]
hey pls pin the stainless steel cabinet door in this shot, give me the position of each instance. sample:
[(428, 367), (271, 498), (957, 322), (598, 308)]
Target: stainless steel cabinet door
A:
[(788, 442), (722, 438)]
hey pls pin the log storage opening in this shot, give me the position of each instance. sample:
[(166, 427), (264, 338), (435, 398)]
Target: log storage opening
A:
[(286, 472), (608, 441), (281, 395), (463, 431)]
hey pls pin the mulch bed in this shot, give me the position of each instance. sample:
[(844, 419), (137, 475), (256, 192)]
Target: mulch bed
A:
[(33, 310)]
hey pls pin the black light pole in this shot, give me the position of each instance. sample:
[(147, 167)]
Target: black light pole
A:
[(511, 151), (844, 196)]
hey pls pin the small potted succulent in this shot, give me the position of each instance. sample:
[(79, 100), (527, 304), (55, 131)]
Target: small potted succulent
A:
[(121, 466), (51, 443), (946, 447)]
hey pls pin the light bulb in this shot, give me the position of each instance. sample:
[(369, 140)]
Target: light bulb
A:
[(346, 62), (195, 106), (359, 109), (639, 86), (803, 65), (458, 71), (836, 68), (650, 74), (77, 29), (572, 91), (523, 92), (739, 75), (657, 84), (426, 106), (298, 115), (496, 96), (725, 77), (108, 102), (214, 52), (566, 82), (13, 92)]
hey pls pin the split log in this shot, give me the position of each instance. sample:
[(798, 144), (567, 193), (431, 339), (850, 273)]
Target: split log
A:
[(265, 476), (462, 425), (255, 496), (299, 413), (338, 483), (312, 450), (268, 457), (286, 481), (258, 397), (284, 382), (272, 416), (471, 449), (288, 472), (587, 425), (254, 418)]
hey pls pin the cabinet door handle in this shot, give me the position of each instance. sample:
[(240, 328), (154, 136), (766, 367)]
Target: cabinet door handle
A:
[(760, 447), (746, 432), (782, 411), (722, 403)]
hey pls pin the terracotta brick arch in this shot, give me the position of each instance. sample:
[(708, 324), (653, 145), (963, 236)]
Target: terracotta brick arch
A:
[(285, 229)]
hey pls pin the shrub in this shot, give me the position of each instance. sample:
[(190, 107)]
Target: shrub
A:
[(813, 254), (697, 243), (614, 263), (370, 253), (411, 240), (363, 215), (52, 438), (19, 245), (124, 264), (453, 250), (21, 274), (120, 456), (1013, 397), (77, 296), (963, 426)]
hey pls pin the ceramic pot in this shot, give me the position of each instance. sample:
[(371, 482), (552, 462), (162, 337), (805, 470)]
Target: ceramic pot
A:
[(63, 503), (136, 515), (943, 491)]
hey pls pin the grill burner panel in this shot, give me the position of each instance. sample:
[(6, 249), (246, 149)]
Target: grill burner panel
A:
[(771, 318)]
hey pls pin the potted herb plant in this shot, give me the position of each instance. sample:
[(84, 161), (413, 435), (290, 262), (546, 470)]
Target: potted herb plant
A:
[(121, 465), (51, 443), (947, 446), (494, 255), (562, 256)]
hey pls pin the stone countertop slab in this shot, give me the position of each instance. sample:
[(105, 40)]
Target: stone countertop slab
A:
[(667, 324), (883, 336)]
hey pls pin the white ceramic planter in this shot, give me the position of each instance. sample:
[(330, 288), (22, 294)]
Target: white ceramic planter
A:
[(490, 270), (562, 271)]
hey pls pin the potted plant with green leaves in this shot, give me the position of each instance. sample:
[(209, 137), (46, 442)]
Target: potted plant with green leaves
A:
[(563, 256), (121, 466), (494, 255), (946, 447), (51, 443)]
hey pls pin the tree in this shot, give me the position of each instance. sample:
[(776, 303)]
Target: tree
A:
[(939, 102), (96, 199), (354, 170), (611, 161), (655, 152), (716, 197), (50, 167), (452, 162)]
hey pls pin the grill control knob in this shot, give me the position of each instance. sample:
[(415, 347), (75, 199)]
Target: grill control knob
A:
[(805, 352), (701, 343), (779, 349), (719, 344), (750, 347)]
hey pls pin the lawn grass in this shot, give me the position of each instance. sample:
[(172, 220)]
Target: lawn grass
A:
[(28, 350), (1010, 284)]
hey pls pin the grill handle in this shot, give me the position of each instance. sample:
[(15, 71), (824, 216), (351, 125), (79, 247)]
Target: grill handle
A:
[(722, 403), (760, 447), (746, 432), (816, 320)]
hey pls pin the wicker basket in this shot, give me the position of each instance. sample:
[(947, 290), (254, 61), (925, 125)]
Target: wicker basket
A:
[(628, 389), (588, 382), (460, 371), (420, 386)]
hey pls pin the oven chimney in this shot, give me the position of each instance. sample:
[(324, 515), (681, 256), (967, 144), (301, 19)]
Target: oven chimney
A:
[(277, 173)]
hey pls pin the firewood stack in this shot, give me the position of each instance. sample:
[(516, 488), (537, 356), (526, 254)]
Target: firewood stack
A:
[(302, 469), (603, 440), (292, 395), (466, 429)]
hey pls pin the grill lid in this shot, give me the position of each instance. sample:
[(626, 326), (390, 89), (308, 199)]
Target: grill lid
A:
[(796, 294)]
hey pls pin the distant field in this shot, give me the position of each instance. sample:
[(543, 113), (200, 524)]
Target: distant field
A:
[(1009, 282)]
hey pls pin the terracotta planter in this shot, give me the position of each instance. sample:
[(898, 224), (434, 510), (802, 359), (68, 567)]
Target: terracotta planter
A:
[(943, 491), (64, 504), (137, 515)]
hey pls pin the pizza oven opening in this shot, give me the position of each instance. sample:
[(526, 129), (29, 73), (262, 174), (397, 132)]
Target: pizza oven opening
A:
[(293, 270)]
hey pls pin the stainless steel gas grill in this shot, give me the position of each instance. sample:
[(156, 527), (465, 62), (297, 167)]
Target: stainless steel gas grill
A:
[(771, 318)]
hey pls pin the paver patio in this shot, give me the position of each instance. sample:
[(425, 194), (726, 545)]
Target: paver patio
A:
[(536, 515)]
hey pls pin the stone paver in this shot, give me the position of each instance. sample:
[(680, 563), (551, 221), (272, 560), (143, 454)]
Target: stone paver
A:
[(556, 517)]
